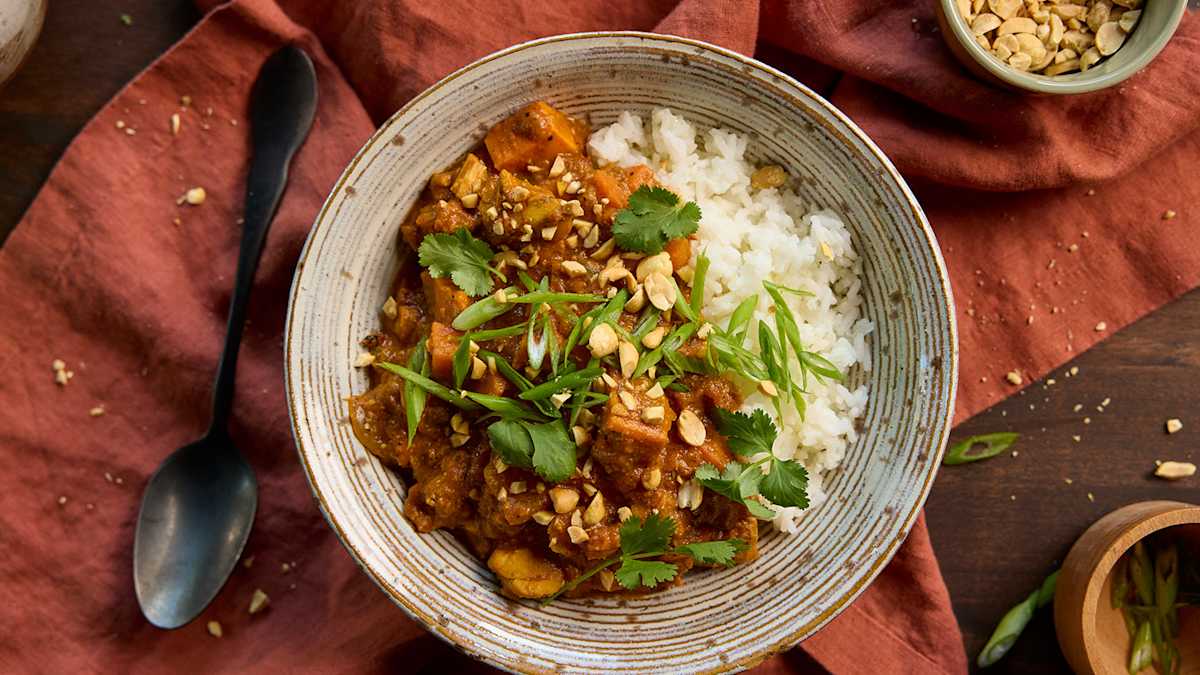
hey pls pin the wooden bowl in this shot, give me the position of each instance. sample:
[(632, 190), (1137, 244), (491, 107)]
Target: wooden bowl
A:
[(720, 620), (1091, 632)]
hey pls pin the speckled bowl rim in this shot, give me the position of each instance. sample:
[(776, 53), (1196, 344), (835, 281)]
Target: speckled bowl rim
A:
[(1043, 84), (936, 444)]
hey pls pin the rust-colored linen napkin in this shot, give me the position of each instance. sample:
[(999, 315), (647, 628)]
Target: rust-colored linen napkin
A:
[(1052, 209)]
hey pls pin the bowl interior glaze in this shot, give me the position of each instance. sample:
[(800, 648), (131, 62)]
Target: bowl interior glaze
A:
[(720, 620)]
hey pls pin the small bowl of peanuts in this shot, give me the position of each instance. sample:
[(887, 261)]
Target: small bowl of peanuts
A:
[(1058, 46)]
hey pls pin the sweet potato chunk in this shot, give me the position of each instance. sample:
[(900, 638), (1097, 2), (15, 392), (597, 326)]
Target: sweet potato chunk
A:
[(443, 341), (616, 184), (535, 134), (680, 251), (445, 300)]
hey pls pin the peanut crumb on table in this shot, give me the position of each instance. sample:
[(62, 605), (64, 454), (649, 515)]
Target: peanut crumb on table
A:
[(214, 629), (1013, 377), (96, 411), (1174, 470), (259, 601), (1173, 425)]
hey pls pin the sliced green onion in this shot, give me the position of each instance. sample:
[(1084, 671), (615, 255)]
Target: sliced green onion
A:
[(1141, 571), (461, 364), (673, 341), (776, 363), (820, 365), (569, 380), (540, 296), (497, 333), (645, 323), (1166, 578), (1143, 649), (550, 337), (795, 291), (1120, 584), (702, 263), (483, 311), (535, 348), (681, 305), (521, 382), (993, 444), (506, 407), (414, 396), (739, 321), (441, 391), (1014, 622)]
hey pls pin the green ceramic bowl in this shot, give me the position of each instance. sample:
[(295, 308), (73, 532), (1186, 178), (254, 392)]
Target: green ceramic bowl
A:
[(1158, 22)]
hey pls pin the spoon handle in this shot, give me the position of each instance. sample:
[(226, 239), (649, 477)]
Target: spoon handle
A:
[(286, 78)]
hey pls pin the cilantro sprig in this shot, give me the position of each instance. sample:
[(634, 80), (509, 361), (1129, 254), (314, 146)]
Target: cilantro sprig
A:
[(462, 257), (784, 484), (643, 540), (544, 447), (654, 217)]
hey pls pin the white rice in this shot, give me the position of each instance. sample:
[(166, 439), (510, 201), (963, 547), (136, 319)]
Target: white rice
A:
[(756, 235)]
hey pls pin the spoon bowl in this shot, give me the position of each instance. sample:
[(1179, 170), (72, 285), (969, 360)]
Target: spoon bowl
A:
[(206, 486)]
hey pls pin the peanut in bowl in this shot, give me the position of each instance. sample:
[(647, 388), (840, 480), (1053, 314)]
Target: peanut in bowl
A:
[(1052, 47)]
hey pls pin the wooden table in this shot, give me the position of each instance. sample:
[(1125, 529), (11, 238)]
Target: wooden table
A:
[(999, 526)]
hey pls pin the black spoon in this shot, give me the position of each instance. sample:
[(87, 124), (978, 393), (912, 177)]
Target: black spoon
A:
[(198, 507)]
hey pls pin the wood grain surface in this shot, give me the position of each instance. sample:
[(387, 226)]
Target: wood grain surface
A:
[(998, 526)]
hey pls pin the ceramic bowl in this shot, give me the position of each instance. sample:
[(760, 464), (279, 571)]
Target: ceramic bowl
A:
[(718, 620), (1158, 22), (1090, 631), (20, 24)]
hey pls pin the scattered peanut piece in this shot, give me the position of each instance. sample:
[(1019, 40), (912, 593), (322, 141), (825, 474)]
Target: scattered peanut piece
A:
[(1168, 214), (97, 411), (1175, 470), (1101, 327), (61, 375), (259, 601), (1174, 425), (195, 196), (175, 124), (1013, 377), (214, 629)]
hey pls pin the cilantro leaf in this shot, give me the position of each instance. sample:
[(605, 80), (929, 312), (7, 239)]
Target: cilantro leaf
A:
[(553, 450), (786, 484), (738, 483), (748, 435), (648, 539), (651, 536), (654, 217), (650, 573), (713, 552), (461, 256), (510, 440)]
